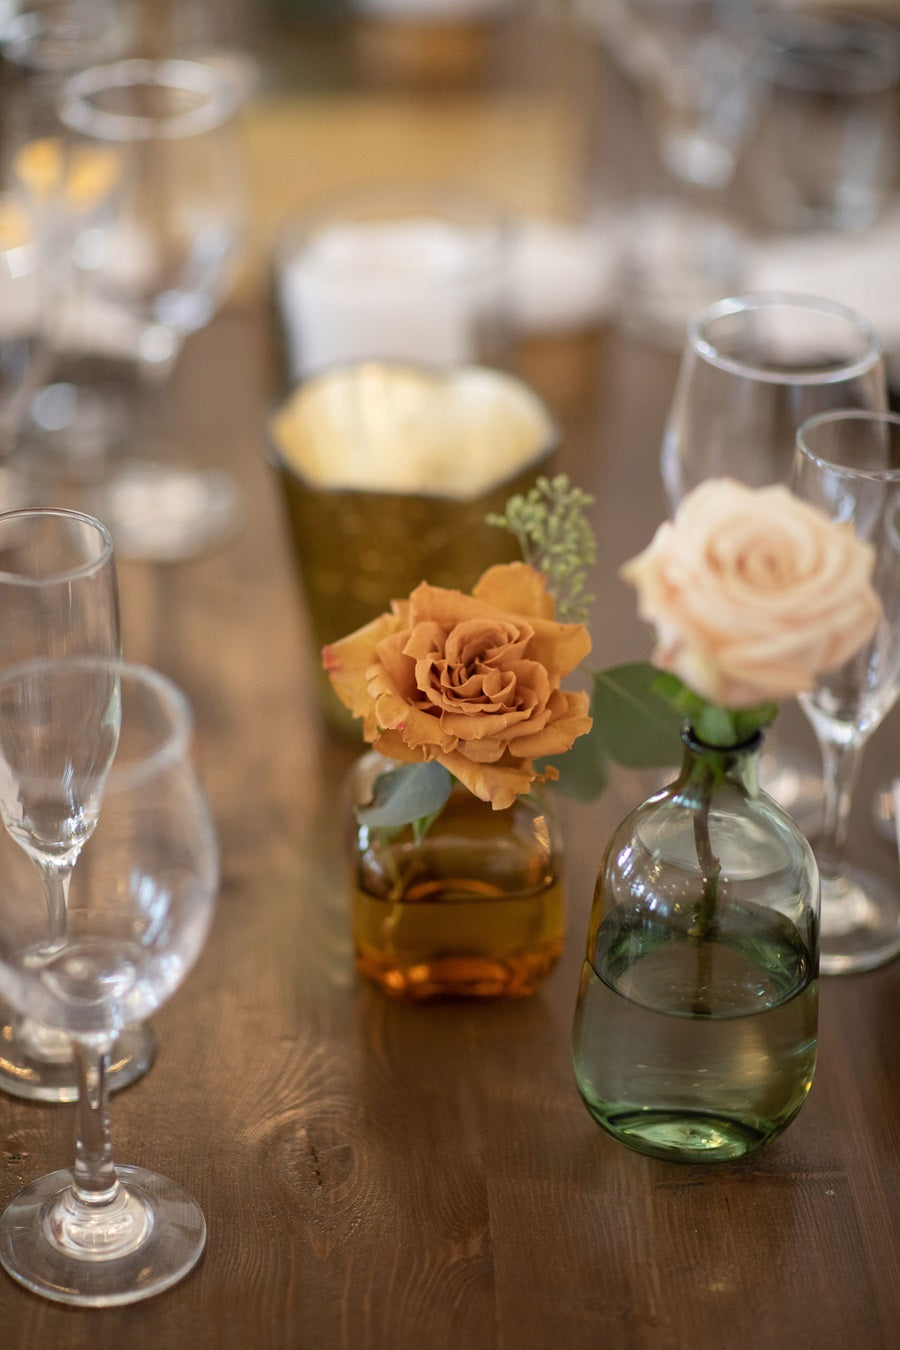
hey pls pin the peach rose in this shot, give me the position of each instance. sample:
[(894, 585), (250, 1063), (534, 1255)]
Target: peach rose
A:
[(753, 593), (472, 681)]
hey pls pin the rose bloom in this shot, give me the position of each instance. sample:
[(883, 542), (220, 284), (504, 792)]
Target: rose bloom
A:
[(472, 681), (753, 593)]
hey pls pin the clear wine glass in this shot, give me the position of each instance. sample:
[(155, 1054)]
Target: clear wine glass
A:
[(753, 368), (58, 597), (97, 754), (54, 35), (848, 464), (151, 263), (693, 64)]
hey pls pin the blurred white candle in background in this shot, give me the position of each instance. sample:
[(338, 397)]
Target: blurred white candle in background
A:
[(395, 281)]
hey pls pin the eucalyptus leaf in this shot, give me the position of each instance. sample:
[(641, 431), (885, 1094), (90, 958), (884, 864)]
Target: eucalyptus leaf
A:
[(638, 725), (582, 769), (406, 794)]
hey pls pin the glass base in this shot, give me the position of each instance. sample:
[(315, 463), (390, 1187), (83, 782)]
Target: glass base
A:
[(36, 1062), (684, 1136), (158, 513), (167, 1237), (461, 975), (860, 923)]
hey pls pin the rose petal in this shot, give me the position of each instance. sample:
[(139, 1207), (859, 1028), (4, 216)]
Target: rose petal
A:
[(517, 589)]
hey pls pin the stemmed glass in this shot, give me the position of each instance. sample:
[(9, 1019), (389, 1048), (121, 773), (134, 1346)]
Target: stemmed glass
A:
[(23, 355), (95, 756), (753, 368), (693, 63), (58, 597), (158, 251), (848, 464)]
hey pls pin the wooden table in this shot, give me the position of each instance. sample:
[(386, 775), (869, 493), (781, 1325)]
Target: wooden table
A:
[(385, 1177)]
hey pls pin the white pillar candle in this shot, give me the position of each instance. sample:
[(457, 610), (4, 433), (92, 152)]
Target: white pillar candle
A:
[(420, 289)]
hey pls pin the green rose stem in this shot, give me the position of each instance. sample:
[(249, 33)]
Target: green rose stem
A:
[(704, 777), (705, 774), (709, 864)]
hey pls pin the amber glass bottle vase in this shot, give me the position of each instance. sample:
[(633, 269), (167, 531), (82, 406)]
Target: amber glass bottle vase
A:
[(475, 908)]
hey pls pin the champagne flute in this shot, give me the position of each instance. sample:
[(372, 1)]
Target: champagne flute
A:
[(97, 753), (153, 262), (752, 369), (848, 464), (58, 597)]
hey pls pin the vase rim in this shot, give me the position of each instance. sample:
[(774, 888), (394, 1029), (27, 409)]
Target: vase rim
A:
[(690, 738)]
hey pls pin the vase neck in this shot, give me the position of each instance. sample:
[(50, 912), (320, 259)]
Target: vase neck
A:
[(705, 766)]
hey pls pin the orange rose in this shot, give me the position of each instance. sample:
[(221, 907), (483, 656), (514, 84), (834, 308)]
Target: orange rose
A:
[(472, 681)]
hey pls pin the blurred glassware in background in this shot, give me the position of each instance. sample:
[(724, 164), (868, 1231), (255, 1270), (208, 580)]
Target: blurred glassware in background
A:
[(692, 64), (387, 473), (398, 270), (60, 35), (83, 408), (826, 153), (561, 275), (23, 356), (42, 42), (140, 208)]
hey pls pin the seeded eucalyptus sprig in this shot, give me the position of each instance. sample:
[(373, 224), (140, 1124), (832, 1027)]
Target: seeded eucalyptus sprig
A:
[(556, 538)]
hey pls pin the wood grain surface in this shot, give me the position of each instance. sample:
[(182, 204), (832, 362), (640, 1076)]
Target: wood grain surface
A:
[(382, 1177)]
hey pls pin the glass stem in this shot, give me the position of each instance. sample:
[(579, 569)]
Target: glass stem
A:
[(96, 1217), (156, 382), (841, 762), (56, 878), (94, 1174)]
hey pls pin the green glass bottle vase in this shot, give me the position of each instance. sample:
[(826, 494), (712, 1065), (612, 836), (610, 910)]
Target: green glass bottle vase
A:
[(696, 1020), (475, 908)]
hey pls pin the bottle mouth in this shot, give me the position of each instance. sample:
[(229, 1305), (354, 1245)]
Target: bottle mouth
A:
[(693, 742)]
